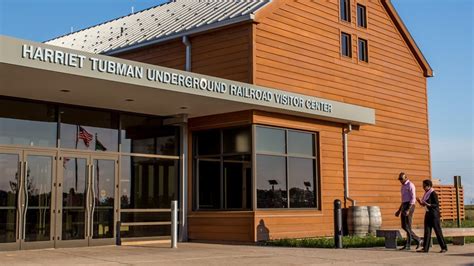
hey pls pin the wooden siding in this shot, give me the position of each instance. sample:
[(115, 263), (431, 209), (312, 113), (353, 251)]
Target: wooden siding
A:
[(298, 49), (447, 202), (224, 53), (170, 54)]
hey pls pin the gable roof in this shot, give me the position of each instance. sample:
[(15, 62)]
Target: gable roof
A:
[(183, 17), (392, 12), (167, 21)]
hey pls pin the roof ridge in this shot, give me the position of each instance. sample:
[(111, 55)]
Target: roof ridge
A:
[(110, 20)]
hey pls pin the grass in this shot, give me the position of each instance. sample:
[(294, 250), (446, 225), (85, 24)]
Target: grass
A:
[(369, 241), (328, 242)]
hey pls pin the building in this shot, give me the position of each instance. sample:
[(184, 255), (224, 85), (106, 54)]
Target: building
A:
[(254, 115)]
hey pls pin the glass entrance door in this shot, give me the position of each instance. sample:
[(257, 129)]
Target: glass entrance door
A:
[(103, 193), (88, 191), (36, 196), (10, 174)]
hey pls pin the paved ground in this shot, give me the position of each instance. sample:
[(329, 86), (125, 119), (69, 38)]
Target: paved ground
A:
[(213, 254)]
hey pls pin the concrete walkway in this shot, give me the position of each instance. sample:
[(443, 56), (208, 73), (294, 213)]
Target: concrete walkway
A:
[(214, 254)]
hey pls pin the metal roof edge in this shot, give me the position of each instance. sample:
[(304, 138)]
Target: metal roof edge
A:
[(249, 17), (107, 21)]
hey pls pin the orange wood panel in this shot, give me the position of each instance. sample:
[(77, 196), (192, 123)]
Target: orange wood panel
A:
[(170, 54), (297, 49)]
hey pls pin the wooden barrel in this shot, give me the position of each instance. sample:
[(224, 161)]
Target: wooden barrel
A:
[(358, 220), (375, 219)]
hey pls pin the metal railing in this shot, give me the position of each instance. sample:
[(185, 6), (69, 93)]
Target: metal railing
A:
[(173, 222)]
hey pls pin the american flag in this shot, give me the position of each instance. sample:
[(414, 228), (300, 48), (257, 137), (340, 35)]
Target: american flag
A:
[(85, 136)]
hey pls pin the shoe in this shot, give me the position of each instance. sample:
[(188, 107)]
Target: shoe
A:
[(405, 248), (443, 251), (418, 243), (422, 250)]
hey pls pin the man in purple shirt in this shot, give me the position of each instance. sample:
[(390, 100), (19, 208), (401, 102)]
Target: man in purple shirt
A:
[(407, 208)]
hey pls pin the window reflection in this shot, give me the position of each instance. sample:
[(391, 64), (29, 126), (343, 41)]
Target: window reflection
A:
[(89, 129), (147, 135), (272, 165), (26, 123), (148, 182), (301, 183), (271, 182)]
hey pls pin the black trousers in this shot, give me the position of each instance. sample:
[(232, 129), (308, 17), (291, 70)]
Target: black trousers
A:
[(432, 221), (406, 222)]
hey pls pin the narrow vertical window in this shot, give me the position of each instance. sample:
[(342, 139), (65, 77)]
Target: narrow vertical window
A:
[(345, 7), (346, 47), (363, 50), (361, 16)]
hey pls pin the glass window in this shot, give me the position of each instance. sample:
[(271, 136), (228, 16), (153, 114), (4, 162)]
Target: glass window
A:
[(361, 16), (209, 186), (142, 134), (363, 50), (301, 183), (237, 140), (293, 174), (346, 45), (300, 143), (148, 183), (208, 142), (345, 8), (88, 129), (271, 182), (237, 182), (270, 140), (26, 123), (223, 179), (146, 230)]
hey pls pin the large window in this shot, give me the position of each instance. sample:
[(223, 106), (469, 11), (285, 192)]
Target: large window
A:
[(286, 168), (87, 129), (147, 183), (147, 135), (27, 123), (222, 169), (345, 8)]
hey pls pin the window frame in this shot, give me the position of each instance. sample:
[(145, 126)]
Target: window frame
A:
[(349, 45), (316, 164), (345, 10), (220, 157), (363, 54), (361, 20)]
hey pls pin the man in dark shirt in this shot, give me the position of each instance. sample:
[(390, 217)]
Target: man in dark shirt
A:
[(407, 208)]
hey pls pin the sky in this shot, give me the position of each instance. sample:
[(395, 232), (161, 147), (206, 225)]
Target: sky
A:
[(443, 29)]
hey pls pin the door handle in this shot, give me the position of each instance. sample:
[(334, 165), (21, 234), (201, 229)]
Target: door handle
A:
[(88, 196), (19, 206), (25, 189), (93, 198)]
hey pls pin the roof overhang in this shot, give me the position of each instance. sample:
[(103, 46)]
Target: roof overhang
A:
[(39, 71)]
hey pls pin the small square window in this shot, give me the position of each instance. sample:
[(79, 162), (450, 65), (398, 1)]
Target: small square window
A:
[(346, 45), (361, 16), (345, 8), (363, 50)]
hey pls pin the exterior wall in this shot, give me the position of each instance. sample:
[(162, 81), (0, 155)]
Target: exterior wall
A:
[(304, 223), (223, 53), (297, 49), (170, 54), (295, 46)]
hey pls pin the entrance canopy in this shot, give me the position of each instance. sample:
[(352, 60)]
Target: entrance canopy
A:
[(43, 72)]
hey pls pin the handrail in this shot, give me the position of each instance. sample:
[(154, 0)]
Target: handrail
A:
[(173, 222)]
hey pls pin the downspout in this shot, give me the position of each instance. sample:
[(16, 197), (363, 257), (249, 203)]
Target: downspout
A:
[(188, 52), (346, 167)]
